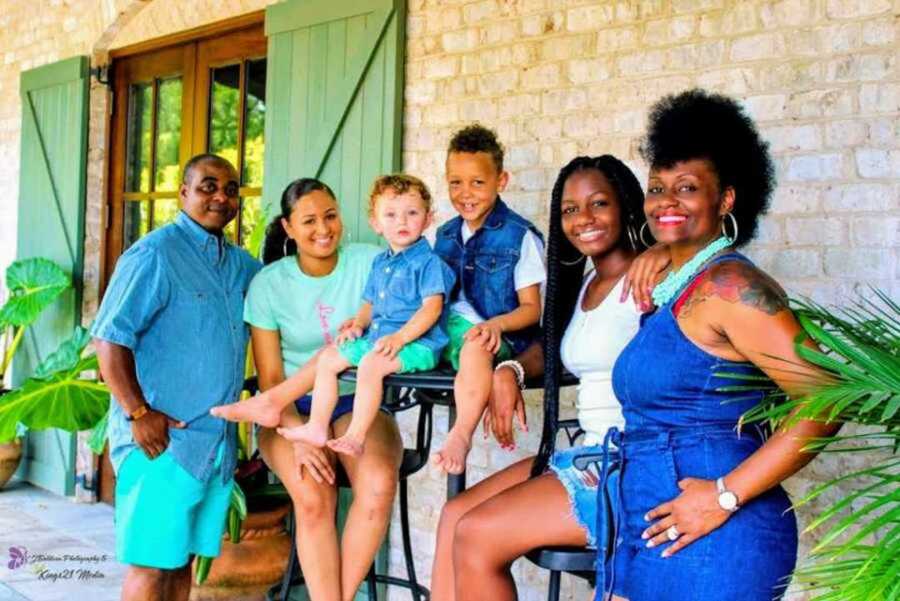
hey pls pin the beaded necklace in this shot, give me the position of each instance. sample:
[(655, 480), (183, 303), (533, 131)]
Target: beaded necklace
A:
[(674, 282)]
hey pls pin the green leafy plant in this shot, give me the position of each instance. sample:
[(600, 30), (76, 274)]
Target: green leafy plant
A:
[(33, 285), (858, 556), (57, 395)]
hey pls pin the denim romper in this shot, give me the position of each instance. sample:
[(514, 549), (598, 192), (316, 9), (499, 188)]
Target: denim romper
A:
[(680, 424)]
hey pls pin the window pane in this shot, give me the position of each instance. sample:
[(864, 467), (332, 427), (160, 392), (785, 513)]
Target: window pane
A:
[(137, 168), (224, 102), (137, 221), (254, 123), (168, 134), (164, 211), (252, 224)]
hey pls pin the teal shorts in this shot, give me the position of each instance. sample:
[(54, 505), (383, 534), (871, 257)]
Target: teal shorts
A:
[(414, 356), (164, 515), (457, 326)]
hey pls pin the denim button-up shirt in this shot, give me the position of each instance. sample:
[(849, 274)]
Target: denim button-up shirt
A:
[(176, 300), (397, 286)]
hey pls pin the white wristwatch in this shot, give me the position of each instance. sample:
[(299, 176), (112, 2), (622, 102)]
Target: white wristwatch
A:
[(727, 499)]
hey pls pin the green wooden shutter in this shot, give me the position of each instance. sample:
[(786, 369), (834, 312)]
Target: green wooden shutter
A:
[(51, 224), (335, 94)]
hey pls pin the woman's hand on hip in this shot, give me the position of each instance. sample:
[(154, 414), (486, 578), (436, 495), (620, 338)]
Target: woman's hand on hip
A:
[(315, 460), (694, 514)]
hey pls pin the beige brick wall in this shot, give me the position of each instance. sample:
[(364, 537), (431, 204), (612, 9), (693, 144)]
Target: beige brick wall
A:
[(557, 78)]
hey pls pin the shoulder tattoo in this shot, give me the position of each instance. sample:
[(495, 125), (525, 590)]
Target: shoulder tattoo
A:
[(738, 282)]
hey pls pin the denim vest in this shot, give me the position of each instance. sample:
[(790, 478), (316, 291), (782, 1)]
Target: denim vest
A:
[(485, 265)]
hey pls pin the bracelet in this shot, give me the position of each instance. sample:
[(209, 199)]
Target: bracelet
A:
[(138, 413), (517, 369)]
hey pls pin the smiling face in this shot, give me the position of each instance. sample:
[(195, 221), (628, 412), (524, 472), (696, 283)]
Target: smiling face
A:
[(210, 196), (473, 183), (591, 213), (400, 218), (684, 204), (315, 225)]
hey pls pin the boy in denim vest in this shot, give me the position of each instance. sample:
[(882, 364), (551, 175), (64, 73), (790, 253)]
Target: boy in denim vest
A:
[(497, 256), (398, 329)]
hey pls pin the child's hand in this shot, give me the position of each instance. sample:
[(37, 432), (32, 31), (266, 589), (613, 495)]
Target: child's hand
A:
[(488, 334), (644, 274), (349, 330), (389, 345)]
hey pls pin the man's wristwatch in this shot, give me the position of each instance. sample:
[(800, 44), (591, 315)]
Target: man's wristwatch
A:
[(727, 499), (138, 413)]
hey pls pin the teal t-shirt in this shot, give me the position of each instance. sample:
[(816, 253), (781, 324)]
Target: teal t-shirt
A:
[(306, 311)]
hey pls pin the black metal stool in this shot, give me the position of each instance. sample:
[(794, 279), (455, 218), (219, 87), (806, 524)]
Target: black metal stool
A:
[(578, 561), (413, 461)]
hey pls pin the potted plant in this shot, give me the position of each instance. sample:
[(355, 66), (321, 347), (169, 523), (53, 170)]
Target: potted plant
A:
[(858, 555), (57, 395)]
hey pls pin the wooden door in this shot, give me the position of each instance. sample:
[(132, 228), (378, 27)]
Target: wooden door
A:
[(204, 93)]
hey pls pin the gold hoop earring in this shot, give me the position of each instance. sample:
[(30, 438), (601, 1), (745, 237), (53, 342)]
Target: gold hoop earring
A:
[(641, 236), (731, 239)]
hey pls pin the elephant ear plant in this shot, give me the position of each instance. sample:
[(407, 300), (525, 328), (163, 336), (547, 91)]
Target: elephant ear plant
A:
[(58, 394), (858, 556)]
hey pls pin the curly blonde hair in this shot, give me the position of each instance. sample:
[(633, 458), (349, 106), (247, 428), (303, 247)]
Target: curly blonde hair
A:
[(400, 183)]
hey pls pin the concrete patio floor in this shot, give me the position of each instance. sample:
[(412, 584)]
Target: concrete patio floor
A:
[(70, 548)]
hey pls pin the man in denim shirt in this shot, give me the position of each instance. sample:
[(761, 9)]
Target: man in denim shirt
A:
[(171, 342)]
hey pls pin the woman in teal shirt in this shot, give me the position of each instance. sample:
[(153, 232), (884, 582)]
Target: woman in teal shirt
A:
[(294, 307)]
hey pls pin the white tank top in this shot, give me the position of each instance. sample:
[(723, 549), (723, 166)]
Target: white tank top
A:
[(589, 349)]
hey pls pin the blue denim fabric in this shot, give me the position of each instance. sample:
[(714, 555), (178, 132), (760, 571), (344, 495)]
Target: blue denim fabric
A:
[(678, 424), (343, 407), (485, 265), (397, 286), (176, 300)]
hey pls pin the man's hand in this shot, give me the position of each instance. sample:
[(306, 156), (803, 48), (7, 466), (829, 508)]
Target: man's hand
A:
[(151, 432), (506, 402)]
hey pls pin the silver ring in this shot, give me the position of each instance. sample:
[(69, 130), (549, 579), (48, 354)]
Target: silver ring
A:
[(672, 533)]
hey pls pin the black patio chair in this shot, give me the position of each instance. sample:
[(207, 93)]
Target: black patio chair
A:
[(397, 399)]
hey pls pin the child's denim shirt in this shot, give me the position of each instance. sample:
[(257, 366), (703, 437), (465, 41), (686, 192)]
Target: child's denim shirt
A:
[(397, 286), (485, 265)]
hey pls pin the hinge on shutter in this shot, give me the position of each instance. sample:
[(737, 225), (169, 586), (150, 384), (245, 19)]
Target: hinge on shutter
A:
[(103, 75)]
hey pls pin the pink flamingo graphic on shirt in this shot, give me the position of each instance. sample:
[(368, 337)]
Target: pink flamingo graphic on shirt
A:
[(324, 312)]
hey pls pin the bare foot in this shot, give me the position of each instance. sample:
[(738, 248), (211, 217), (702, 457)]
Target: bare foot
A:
[(348, 444), (452, 457), (258, 409), (310, 433)]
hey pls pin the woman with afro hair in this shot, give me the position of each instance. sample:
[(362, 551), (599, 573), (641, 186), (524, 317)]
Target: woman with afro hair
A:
[(702, 513)]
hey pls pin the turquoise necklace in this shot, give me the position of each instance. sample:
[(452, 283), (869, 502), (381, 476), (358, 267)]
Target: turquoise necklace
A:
[(674, 282)]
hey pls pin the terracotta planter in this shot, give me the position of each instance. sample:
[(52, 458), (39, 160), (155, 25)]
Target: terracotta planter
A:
[(245, 571), (10, 456)]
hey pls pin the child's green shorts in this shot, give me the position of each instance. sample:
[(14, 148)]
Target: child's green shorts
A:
[(163, 514), (457, 326), (414, 356)]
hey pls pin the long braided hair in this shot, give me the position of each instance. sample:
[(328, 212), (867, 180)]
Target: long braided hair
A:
[(565, 272)]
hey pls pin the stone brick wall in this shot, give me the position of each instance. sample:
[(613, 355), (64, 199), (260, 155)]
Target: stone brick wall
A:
[(558, 78)]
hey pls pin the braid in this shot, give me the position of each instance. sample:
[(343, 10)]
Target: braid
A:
[(564, 281)]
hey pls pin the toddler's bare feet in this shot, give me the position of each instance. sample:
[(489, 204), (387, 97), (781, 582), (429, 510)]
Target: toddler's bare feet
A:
[(310, 433), (452, 457), (348, 444), (258, 409)]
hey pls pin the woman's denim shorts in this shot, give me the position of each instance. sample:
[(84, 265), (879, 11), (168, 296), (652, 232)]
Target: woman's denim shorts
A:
[(581, 486)]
